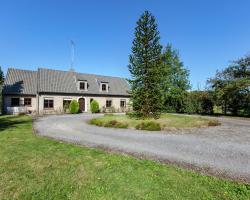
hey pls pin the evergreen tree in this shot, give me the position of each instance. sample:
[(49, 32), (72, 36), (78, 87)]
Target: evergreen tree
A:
[(1, 88), (176, 81), (145, 68), (1, 77)]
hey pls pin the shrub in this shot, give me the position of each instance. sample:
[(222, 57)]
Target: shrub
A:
[(115, 124), (94, 107), (96, 122), (74, 107), (149, 126), (111, 123), (214, 123)]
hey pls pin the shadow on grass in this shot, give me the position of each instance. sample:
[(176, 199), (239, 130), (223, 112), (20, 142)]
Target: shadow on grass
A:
[(7, 122)]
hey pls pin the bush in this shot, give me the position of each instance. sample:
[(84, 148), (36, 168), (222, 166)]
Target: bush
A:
[(111, 123), (96, 122), (214, 123), (115, 124), (74, 107), (149, 126), (94, 107)]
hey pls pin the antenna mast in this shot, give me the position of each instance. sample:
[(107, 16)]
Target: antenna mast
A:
[(72, 46)]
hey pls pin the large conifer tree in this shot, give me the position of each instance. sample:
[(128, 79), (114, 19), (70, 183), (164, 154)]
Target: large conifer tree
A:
[(145, 68), (1, 87)]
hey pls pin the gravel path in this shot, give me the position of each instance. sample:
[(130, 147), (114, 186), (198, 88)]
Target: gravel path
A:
[(223, 150)]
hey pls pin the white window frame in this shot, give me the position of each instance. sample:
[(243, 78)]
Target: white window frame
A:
[(107, 87), (125, 105), (67, 99), (110, 104), (30, 105), (85, 85), (49, 98)]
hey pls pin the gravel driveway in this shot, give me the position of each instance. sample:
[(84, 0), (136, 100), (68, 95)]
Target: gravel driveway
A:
[(223, 150)]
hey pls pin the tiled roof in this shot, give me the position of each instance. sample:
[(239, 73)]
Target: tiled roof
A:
[(20, 82), (56, 81)]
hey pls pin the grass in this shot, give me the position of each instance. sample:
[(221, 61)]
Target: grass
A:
[(33, 167), (165, 122)]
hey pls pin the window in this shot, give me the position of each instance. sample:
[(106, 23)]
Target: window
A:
[(66, 103), (108, 103), (104, 87), (123, 103), (27, 101), (83, 85), (48, 103), (91, 100), (15, 102)]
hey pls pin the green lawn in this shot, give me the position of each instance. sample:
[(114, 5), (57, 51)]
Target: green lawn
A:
[(166, 121), (33, 167)]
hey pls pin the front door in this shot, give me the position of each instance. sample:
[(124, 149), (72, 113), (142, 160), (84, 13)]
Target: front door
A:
[(81, 104)]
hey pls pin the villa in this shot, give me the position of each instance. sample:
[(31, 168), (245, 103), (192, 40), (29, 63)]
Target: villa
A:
[(48, 91)]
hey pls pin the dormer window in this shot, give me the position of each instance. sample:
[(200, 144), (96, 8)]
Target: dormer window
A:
[(83, 85), (104, 87)]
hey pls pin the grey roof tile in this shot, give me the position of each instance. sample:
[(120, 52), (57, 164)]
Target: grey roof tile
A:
[(57, 81), (20, 82)]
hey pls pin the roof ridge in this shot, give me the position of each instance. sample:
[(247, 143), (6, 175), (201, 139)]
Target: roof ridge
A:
[(29, 70), (80, 73)]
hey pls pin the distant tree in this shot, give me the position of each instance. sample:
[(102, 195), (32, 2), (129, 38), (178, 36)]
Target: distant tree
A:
[(1, 88), (231, 87), (145, 68), (175, 82), (199, 102), (1, 76)]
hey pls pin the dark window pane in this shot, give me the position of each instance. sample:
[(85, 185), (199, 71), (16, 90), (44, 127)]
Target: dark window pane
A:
[(82, 85), (48, 103), (27, 101), (15, 102), (122, 103), (51, 104), (104, 88), (108, 103), (66, 104)]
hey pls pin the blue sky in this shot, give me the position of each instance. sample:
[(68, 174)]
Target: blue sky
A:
[(207, 33)]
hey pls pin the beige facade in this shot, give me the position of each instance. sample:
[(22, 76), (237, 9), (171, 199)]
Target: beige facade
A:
[(8, 108), (58, 103)]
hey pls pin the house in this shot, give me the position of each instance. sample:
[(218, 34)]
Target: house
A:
[(48, 91)]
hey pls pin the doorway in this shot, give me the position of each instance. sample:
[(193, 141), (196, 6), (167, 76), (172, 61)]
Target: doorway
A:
[(81, 102)]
